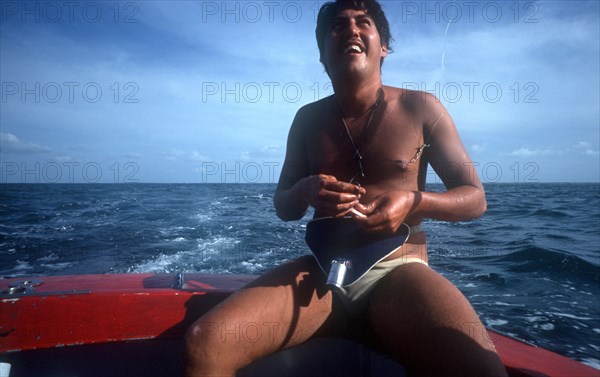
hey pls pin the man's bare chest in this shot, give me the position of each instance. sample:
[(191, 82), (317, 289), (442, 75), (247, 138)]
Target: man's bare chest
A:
[(385, 148)]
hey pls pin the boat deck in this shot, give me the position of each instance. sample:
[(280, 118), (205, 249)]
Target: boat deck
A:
[(132, 325)]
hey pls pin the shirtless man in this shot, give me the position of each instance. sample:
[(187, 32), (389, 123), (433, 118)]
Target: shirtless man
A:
[(362, 152)]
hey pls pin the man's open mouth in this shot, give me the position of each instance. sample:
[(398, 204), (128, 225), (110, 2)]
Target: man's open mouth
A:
[(353, 48)]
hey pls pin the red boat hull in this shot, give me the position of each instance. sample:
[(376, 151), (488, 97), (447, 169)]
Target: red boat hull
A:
[(78, 321)]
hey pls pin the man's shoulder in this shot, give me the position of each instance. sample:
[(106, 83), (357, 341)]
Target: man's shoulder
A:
[(318, 105), (410, 96), (424, 106), (314, 108)]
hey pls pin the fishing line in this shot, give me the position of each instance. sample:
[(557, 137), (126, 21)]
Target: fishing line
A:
[(443, 62)]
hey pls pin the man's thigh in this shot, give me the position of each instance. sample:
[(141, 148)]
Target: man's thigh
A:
[(426, 323), (280, 309)]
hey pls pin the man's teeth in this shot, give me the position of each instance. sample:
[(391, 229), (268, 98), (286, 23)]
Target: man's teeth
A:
[(352, 48)]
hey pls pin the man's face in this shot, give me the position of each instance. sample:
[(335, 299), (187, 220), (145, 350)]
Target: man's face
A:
[(352, 45)]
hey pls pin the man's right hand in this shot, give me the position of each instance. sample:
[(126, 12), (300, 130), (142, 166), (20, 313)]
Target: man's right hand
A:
[(329, 196)]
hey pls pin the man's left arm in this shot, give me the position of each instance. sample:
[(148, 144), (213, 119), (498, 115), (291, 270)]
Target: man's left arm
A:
[(464, 198)]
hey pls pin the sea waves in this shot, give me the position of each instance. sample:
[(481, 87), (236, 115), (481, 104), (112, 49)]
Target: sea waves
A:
[(530, 266)]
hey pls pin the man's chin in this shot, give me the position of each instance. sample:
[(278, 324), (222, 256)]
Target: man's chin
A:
[(350, 70)]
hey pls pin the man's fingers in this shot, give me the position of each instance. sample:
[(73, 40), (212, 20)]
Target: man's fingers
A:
[(336, 207), (337, 197), (339, 186), (326, 178), (368, 208), (375, 219), (355, 213), (381, 222)]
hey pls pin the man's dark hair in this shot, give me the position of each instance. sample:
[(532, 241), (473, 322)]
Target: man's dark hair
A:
[(329, 10)]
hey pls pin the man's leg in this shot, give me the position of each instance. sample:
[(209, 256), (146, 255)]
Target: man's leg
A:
[(427, 324), (283, 308)]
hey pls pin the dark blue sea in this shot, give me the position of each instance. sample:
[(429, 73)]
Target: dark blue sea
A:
[(530, 265)]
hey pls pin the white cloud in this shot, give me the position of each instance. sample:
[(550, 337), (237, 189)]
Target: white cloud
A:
[(245, 156), (9, 143), (529, 152), (262, 153), (587, 148), (271, 151), (478, 148), (582, 146), (173, 154), (195, 156)]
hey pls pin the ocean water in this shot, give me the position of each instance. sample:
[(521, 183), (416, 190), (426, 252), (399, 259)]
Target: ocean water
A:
[(530, 266)]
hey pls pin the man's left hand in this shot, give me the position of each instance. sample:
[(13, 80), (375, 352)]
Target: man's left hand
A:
[(388, 211)]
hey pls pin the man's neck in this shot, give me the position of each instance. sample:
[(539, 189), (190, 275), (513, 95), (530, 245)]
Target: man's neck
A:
[(354, 100)]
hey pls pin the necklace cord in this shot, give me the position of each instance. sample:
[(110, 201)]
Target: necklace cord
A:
[(354, 145), (372, 113)]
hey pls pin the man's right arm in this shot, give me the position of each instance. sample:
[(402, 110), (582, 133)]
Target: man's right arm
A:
[(289, 199), (290, 204), (298, 190)]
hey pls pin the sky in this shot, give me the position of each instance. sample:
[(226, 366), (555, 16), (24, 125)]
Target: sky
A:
[(205, 91)]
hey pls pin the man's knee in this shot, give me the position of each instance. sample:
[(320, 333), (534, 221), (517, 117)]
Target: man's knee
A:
[(201, 332), (196, 339), (205, 352)]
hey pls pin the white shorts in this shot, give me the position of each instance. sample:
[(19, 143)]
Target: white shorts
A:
[(355, 297)]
